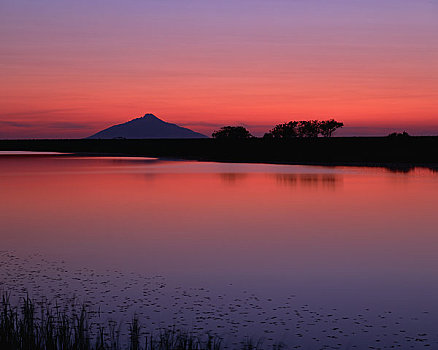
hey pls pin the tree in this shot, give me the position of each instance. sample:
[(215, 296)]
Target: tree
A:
[(231, 132), (328, 127), (308, 128), (283, 131), (399, 134)]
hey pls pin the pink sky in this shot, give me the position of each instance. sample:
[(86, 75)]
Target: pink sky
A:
[(69, 69)]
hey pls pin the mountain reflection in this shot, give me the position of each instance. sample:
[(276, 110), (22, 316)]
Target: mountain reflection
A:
[(330, 181)]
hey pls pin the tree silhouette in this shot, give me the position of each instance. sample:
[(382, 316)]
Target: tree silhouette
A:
[(283, 131), (304, 128), (328, 127), (399, 134), (232, 132), (308, 128)]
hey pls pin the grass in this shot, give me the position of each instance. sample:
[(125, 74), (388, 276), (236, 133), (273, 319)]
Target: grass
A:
[(41, 326)]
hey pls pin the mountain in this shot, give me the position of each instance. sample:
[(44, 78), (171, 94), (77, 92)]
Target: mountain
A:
[(147, 127)]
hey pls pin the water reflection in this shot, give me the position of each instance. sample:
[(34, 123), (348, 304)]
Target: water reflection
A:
[(232, 178), (130, 160), (406, 169), (365, 236), (326, 181)]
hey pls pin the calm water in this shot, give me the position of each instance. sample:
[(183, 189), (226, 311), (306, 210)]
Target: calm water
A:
[(299, 254)]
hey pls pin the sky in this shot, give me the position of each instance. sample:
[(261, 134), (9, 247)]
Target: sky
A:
[(71, 68)]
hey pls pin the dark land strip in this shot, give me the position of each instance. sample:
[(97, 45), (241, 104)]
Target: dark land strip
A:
[(396, 152)]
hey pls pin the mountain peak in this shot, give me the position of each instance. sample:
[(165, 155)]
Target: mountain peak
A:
[(147, 127), (149, 116)]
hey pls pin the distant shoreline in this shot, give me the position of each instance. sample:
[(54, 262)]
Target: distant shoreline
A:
[(413, 151)]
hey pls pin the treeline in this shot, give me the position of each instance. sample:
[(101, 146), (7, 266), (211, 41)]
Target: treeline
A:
[(302, 128)]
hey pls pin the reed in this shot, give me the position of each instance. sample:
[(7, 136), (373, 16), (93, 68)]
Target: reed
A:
[(27, 325)]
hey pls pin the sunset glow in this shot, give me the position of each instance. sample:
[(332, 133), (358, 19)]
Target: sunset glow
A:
[(71, 68)]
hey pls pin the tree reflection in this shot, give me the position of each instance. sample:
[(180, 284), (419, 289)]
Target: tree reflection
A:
[(232, 178), (405, 169), (330, 181)]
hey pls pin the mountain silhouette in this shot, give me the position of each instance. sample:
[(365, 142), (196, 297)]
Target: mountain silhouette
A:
[(147, 127)]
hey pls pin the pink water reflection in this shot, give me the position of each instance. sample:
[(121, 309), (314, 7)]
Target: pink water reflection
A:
[(352, 233)]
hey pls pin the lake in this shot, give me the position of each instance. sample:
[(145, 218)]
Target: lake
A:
[(311, 256)]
